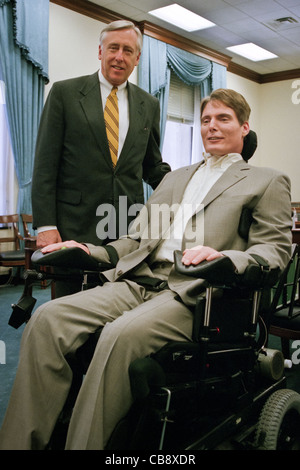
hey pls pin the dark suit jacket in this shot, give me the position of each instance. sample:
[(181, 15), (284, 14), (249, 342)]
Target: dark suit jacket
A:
[(73, 173)]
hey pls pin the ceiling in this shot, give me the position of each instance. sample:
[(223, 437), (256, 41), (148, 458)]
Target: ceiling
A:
[(237, 22)]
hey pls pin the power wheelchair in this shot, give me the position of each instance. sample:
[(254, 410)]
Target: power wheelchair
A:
[(223, 390)]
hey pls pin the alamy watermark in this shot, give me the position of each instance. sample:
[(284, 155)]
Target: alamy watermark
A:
[(296, 93), (156, 221), (295, 357), (2, 353)]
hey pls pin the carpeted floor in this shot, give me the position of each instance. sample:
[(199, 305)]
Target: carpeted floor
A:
[(11, 337)]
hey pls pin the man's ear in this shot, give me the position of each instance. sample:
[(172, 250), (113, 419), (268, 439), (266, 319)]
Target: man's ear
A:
[(138, 59), (245, 129)]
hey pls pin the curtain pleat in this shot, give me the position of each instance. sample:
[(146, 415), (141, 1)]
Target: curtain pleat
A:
[(24, 79), (157, 60), (154, 72)]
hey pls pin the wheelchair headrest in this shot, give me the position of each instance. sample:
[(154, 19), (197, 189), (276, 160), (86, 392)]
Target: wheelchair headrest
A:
[(250, 145)]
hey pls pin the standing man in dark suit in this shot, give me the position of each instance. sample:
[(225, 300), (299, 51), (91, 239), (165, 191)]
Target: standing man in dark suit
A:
[(76, 190)]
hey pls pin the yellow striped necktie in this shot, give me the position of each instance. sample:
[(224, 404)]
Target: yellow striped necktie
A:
[(111, 118)]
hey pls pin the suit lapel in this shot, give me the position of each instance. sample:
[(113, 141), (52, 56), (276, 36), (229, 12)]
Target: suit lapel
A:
[(232, 175), (194, 232), (90, 95)]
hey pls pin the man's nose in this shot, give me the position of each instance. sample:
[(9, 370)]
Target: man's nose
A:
[(119, 54), (212, 123)]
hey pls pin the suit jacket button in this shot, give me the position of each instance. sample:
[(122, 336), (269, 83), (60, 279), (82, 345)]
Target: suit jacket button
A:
[(119, 273)]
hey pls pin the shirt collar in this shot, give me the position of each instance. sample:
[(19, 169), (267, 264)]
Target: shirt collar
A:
[(108, 85), (221, 162)]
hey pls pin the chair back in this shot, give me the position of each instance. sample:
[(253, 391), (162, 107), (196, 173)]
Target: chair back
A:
[(11, 221), (288, 284), (26, 221)]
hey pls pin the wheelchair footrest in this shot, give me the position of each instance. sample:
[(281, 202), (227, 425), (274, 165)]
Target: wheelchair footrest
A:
[(22, 311)]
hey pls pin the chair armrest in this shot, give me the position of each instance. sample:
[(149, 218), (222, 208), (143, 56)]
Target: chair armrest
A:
[(69, 258), (221, 272)]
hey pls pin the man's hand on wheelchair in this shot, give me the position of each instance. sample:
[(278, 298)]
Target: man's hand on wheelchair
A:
[(199, 253), (48, 237), (63, 245)]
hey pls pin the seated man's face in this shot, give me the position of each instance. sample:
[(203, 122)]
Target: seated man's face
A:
[(220, 129)]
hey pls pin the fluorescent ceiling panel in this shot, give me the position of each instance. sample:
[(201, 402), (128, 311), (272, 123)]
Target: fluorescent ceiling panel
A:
[(181, 17), (252, 51)]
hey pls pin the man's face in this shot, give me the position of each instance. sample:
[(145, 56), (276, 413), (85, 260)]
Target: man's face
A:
[(220, 129), (119, 55)]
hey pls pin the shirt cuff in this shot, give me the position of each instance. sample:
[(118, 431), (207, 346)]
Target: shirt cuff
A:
[(45, 228)]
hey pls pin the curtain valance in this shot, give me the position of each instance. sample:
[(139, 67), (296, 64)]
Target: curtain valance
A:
[(24, 70), (30, 30), (159, 58), (190, 68)]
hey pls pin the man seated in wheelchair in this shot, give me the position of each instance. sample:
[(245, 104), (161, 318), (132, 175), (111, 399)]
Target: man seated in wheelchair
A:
[(203, 204)]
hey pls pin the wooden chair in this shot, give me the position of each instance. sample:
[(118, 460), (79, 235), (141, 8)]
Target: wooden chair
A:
[(14, 257), (285, 307), (30, 247), (296, 214), (26, 221), (29, 239)]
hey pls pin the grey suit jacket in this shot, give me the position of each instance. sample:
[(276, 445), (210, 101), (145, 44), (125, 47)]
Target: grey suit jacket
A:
[(73, 173), (259, 195)]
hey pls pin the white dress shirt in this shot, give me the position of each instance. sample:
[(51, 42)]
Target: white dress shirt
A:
[(202, 181)]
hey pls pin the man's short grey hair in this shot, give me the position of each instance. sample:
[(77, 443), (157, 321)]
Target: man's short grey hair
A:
[(122, 24)]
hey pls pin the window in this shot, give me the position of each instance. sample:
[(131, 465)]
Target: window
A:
[(8, 181), (182, 142)]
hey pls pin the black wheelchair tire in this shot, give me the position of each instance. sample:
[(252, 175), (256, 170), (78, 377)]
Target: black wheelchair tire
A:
[(278, 426)]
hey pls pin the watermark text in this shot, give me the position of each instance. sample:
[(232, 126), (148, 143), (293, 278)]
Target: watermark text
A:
[(296, 93)]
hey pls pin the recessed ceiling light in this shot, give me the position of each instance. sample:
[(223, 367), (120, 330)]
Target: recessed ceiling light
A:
[(181, 17), (252, 51)]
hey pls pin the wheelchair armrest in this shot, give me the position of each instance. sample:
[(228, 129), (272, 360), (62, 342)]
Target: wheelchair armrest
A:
[(221, 272), (69, 258)]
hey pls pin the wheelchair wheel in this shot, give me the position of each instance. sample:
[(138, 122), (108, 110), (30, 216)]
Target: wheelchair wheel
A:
[(279, 423)]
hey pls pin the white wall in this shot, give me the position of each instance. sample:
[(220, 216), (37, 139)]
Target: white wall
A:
[(280, 128), (276, 119), (250, 90), (73, 51)]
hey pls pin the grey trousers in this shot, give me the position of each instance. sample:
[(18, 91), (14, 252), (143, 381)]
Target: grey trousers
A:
[(135, 323)]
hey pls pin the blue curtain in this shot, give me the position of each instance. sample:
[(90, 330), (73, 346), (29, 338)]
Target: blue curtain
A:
[(156, 62), (24, 67), (159, 58)]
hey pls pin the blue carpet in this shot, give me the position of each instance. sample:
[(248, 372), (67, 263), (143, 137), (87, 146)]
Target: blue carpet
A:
[(11, 337)]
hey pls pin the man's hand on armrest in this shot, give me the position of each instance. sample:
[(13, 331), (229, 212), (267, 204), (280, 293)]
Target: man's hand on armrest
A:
[(47, 237), (63, 245), (198, 254)]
